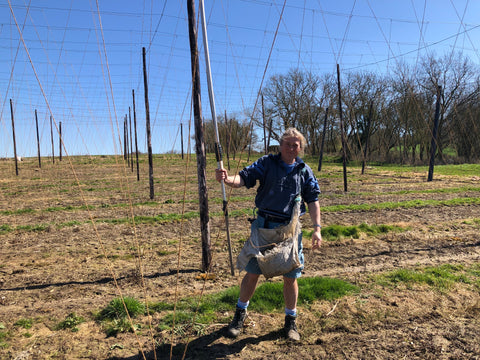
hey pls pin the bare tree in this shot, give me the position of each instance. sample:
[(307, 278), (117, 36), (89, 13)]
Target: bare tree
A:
[(453, 73), (291, 100), (234, 133)]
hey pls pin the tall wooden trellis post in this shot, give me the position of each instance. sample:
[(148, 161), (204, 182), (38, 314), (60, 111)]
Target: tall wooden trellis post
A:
[(38, 141), (135, 129), (342, 131), (60, 142), (218, 148), (365, 150), (433, 146), (199, 140), (149, 134), (130, 133), (14, 141), (51, 138), (181, 138), (322, 145), (125, 137)]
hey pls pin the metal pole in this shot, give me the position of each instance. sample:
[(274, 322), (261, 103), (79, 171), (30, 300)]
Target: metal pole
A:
[(218, 148)]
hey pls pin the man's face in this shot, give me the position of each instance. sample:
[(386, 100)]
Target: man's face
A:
[(290, 149)]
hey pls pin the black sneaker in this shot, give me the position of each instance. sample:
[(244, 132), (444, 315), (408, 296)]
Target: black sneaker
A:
[(291, 332), (237, 323)]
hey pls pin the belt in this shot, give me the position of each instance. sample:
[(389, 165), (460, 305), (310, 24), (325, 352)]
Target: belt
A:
[(273, 218)]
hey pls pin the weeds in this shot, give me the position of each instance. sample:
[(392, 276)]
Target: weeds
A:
[(4, 335), (24, 323), (70, 322)]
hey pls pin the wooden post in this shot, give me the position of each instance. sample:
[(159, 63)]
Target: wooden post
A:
[(14, 141), (323, 140), (181, 137), (199, 140), (433, 146), (51, 137), (38, 141), (126, 141), (60, 140), (130, 132), (342, 130), (135, 129), (125, 136), (149, 134), (365, 150), (218, 147), (264, 129), (250, 141), (269, 133)]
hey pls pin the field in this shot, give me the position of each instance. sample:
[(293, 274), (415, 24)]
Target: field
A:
[(77, 234)]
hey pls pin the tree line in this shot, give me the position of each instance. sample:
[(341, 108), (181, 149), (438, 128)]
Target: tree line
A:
[(394, 113)]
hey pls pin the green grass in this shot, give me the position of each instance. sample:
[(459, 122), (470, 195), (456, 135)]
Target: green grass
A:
[(4, 336), (441, 277), (114, 316), (5, 228), (335, 232), (268, 297), (24, 323), (118, 308), (69, 224), (32, 228), (458, 170), (402, 204), (17, 212), (331, 162)]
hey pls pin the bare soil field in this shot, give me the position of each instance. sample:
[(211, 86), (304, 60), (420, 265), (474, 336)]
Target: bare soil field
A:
[(68, 244)]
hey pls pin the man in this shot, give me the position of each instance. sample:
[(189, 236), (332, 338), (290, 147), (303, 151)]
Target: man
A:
[(282, 177)]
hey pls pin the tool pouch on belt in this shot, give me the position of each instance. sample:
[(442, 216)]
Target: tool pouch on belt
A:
[(276, 249), (279, 246)]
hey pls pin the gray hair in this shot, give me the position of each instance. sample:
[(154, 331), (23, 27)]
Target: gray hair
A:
[(293, 132)]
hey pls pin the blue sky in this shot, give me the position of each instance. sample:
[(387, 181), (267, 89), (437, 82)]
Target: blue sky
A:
[(87, 75)]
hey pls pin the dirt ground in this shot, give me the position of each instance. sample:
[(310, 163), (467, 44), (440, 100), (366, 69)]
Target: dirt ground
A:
[(64, 248)]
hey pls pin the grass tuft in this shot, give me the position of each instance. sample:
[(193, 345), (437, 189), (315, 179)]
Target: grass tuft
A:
[(114, 316), (116, 309)]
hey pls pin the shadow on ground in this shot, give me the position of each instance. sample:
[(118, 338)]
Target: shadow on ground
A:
[(205, 347)]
